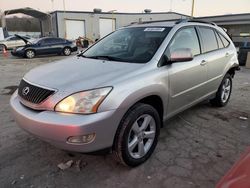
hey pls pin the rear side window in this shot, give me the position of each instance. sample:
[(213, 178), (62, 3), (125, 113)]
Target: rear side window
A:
[(13, 38), (209, 39), (220, 43), (58, 40), (45, 41), (224, 40), (185, 38)]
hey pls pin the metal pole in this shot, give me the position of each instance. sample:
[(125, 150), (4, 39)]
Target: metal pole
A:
[(171, 5), (52, 5), (113, 19), (65, 34), (192, 13)]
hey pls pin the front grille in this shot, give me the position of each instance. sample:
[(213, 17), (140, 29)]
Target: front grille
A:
[(32, 93)]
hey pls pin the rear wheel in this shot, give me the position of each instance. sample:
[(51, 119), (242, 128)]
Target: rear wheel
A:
[(224, 92), (137, 135), (30, 54), (67, 51)]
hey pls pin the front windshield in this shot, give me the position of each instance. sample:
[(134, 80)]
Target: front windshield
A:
[(134, 45), (37, 40)]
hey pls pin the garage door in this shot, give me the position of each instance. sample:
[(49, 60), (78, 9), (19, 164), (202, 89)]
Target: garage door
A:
[(74, 29), (106, 26)]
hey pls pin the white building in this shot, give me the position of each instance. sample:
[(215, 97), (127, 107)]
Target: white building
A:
[(94, 25)]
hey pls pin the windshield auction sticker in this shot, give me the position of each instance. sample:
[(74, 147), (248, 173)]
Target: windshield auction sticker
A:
[(154, 29)]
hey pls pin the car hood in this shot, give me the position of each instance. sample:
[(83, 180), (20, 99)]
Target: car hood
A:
[(77, 73), (25, 40)]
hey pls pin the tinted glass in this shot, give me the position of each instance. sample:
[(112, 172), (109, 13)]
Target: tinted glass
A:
[(186, 38), (219, 40), (46, 41), (134, 45), (58, 40), (224, 40), (13, 38), (209, 39)]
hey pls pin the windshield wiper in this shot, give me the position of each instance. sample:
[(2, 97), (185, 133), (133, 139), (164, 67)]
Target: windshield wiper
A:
[(105, 57), (80, 55)]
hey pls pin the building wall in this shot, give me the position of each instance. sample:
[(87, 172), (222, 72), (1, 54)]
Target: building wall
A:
[(92, 20), (235, 25), (236, 31)]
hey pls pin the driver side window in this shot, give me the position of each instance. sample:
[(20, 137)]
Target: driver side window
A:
[(185, 38)]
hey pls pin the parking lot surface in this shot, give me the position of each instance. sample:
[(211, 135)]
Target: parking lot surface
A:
[(196, 148)]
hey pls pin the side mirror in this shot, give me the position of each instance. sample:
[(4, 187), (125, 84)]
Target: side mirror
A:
[(181, 55)]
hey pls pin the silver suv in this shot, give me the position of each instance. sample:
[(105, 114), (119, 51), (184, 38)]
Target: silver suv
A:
[(118, 93)]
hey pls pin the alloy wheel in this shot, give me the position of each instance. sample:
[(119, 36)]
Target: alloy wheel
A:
[(141, 136), (30, 54), (226, 90)]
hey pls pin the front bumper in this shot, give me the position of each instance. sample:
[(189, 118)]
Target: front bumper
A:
[(56, 128), (17, 53), (74, 49)]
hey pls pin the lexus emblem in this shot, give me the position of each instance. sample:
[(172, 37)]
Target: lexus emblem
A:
[(25, 91)]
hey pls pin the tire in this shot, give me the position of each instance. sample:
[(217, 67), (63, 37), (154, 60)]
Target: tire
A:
[(224, 92), (132, 132), (30, 54), (66, 51)]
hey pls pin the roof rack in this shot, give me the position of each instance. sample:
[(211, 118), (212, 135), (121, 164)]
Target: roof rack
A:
[(156, 21), (195, 20)]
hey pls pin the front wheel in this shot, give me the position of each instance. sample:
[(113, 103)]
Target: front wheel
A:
[(137, 135), (224, 92), (30, 54)]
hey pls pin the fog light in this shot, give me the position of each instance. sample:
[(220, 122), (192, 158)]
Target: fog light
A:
[(83, 139)]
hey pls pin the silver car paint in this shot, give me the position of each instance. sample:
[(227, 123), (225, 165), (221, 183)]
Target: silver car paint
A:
[(179, 85)]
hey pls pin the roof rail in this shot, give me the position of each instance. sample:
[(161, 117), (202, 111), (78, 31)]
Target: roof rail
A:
[(155, 21), (195, 20)]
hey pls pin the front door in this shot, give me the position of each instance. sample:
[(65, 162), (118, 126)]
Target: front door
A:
[(187, 80)]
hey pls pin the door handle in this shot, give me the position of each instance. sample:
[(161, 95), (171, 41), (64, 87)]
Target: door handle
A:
[(203, 62), (227, 54)]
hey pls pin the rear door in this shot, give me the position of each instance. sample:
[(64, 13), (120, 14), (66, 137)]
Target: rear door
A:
[(56, 45), (187, 80), (45, 47), (215, 55)]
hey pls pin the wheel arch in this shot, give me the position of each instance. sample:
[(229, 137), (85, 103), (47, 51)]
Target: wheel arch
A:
[(154, 101), (67, 47), (231, 71), (30, 49)]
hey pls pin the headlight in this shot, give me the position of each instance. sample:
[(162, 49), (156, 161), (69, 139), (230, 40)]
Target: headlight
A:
[(85, 102)]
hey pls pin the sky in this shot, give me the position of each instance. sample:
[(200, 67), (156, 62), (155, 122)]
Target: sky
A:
[(202, 7)]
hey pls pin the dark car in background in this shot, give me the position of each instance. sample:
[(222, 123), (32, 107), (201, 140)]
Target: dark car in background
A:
[(243, 50), (45, 46)]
